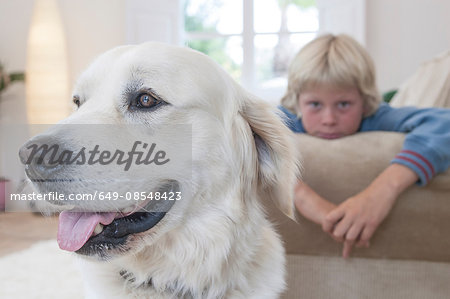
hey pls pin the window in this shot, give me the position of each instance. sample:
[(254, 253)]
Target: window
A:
[(254, 40)]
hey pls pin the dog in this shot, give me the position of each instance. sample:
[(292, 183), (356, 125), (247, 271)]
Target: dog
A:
[(216, 241)]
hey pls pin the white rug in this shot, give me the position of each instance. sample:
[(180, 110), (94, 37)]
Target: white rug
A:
[(42, 271)]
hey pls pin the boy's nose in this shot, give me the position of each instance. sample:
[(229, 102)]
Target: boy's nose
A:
[(329, 117)]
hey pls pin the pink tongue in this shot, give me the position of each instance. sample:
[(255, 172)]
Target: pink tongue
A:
[(75, 228)]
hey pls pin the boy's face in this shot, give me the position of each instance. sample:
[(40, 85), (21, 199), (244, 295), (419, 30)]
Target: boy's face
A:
[(331, 112)]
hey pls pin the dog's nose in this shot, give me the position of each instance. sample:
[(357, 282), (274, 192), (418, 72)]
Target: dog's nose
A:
[(38, 156)]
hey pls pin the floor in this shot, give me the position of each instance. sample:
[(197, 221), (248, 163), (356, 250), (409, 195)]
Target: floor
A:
[(19, 230)]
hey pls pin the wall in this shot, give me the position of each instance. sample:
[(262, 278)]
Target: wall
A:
[(92, 27), (403, 33)]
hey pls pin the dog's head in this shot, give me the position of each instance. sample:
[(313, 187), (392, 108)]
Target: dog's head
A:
[(231, 150)]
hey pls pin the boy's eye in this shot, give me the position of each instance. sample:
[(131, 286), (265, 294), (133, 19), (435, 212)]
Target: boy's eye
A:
[(344, 104), (314, 105)]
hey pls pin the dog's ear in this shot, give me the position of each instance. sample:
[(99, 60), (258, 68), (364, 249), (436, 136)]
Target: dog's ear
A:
[(278, 159)]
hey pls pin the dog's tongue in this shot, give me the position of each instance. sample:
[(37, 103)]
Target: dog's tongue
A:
[(75, 228)]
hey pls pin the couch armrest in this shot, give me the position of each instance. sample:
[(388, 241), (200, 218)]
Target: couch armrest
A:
[(416, 228)]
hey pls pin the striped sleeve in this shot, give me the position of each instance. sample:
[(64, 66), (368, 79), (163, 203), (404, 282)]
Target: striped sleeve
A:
[(418, 163), (426, 149)]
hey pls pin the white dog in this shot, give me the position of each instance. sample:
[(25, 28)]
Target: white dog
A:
[(215, 242)]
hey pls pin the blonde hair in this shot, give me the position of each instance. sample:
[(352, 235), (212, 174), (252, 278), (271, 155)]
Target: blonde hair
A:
[(333, 60)]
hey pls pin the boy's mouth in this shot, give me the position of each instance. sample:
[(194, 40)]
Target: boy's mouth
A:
[(329, 135)]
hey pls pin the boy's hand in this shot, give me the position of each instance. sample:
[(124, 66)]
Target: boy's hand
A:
[(356, 219)]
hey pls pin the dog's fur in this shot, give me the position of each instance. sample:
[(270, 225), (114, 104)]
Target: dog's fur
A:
[(217, 242)]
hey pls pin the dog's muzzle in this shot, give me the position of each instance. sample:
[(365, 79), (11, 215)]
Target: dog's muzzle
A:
[(38, 165)]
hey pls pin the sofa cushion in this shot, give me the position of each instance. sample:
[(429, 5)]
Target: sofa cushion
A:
[(429, 86)]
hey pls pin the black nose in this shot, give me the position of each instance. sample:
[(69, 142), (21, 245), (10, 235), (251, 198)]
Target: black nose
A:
[(39, 155)]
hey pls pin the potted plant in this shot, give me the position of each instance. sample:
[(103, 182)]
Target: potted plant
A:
[(7, 78)]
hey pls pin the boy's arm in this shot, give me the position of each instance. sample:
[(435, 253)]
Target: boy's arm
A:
[(310, 204), (357, 218)]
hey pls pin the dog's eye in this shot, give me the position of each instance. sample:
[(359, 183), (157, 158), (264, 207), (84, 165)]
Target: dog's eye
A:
[(76, 100), (146, 100)]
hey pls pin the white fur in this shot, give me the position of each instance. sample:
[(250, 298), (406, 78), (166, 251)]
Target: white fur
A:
[(217, 242)]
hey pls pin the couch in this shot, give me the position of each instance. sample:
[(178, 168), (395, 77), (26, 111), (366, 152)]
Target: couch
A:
[(409, 256)]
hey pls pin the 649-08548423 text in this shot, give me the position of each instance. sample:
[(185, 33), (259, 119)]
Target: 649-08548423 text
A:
[(97, 195)]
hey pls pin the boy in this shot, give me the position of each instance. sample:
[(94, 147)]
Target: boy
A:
[(332, 93)]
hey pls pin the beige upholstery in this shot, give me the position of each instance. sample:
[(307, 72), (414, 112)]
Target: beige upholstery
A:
[(415, 236), (429, 86), (323, 277)]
